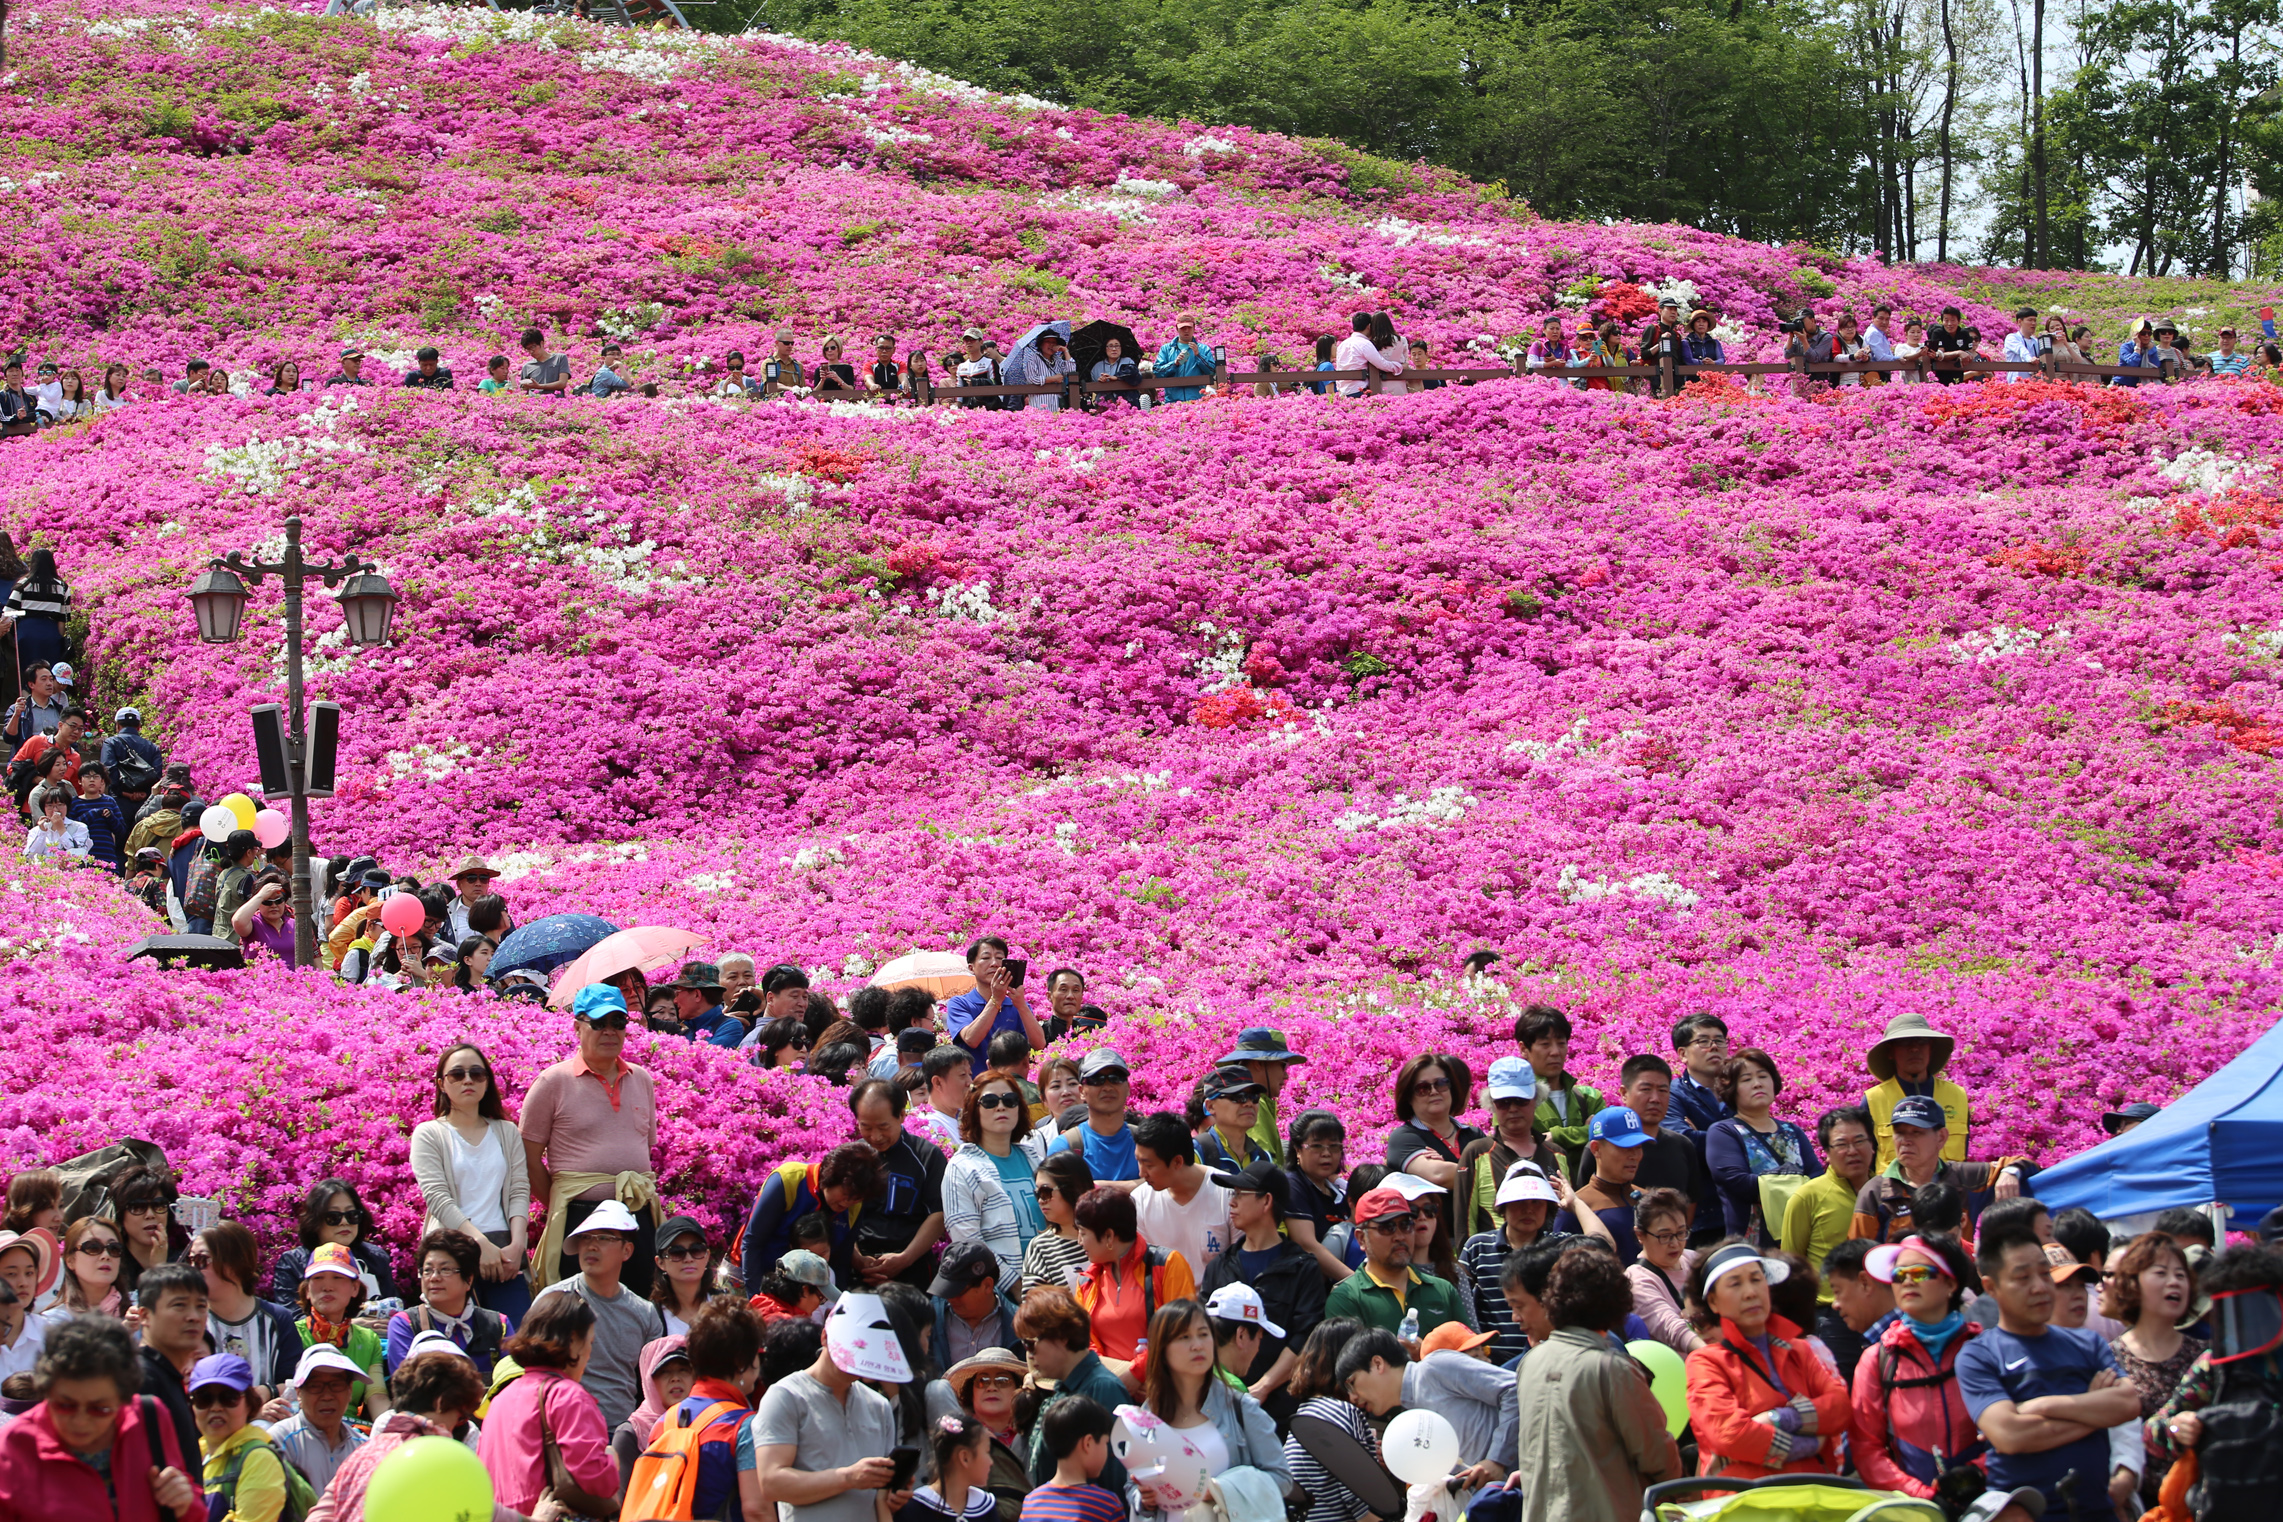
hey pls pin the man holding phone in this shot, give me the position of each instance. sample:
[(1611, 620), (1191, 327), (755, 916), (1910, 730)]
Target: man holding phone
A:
[(997, 1003)]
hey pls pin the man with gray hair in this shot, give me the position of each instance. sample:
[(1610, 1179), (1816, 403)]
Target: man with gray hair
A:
[(737, 975)]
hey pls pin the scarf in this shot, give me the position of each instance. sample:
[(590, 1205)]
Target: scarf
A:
[(651, 1412), (459, 1328), (1934, 1336), (334, 1332)]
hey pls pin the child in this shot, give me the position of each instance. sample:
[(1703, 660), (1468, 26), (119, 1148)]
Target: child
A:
[(962, 1465), (1077, 1435), (495, 376)]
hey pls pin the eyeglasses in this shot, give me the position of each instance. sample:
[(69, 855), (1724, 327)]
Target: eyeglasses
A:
[(467, 1075), (206, 1397), (1332, 1147), (1848, 1143), (682, 1252), (1669, 1238), (994, 1382), (438, 1270), (610, 1022), (998, 1101), (1710, 1043), (100, 1410), (1432, 1086), (349, 1217), (1913, 1273), (101, 1249)]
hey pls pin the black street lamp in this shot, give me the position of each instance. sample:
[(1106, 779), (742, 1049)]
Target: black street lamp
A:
[(368, 607)]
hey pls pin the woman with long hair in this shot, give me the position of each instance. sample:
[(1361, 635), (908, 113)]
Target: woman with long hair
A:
[(143, 1201), (470, 960), (113, 392), (470, 1165), (1226, 1425), (35, 1198), (333, 1212), (1055, 1256), (93, 1250), (69, 402), (686, 1276), (285, 379), (1316, 1385), (1393, 351)]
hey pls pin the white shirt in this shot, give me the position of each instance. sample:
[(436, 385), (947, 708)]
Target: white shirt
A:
[(941, 1126), (1199, 1230), (479, 1178), (18, 1357), (1356, 352), (2020, 347), (71, 840)]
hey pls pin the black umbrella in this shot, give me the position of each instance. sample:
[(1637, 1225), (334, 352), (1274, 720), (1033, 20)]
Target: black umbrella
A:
[(1089, 342), (197, 950)]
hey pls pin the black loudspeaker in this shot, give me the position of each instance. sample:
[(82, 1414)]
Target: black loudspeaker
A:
[(269, 749), (322, 749)]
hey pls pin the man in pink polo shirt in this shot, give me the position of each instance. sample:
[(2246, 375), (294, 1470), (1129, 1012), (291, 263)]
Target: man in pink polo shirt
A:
[(589, 1124)]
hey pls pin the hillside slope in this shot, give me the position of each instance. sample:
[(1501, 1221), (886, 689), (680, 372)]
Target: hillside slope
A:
[(1807, 712)]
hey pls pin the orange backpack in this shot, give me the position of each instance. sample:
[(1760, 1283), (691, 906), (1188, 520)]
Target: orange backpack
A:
[(664, 1484)]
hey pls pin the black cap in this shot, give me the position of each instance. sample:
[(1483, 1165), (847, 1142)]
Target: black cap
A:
[(964, 1266), (2140, 1109), (678, 1226), (1256, 1178)]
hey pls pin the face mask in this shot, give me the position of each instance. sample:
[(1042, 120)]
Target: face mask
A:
[(2246, 1323)]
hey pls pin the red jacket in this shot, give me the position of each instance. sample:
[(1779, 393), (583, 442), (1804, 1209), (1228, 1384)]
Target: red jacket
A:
[(1727, 1387), (43, 1481), (1906, 1408)]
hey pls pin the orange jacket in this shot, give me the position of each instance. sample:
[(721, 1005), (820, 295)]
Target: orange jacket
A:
[(1728, 1386), (1121, 1304)]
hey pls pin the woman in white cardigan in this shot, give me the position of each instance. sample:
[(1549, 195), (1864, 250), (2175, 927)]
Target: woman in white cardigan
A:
[(987, 1186), (469, 1163)]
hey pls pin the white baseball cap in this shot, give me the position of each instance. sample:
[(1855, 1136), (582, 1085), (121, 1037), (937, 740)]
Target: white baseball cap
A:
[(324, 1355), (124, 714), (1241, 1303), (1525, 1181), (1410, 1186), (62, 672), (610, 1215)]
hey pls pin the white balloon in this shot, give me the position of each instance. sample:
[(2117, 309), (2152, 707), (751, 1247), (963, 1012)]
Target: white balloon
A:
[(217, 823), (1156, 1454), (1420, 1447)]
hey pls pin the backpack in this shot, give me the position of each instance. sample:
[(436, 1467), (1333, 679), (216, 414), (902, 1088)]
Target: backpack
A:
[(299, 1495), (205, 884), (2240, 1461), (663, 1484), (133, 773)]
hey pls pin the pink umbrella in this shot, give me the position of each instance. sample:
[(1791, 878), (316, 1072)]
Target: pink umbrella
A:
[(648, 947)]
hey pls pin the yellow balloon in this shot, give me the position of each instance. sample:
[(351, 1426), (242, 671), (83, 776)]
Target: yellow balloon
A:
[(242, 806)]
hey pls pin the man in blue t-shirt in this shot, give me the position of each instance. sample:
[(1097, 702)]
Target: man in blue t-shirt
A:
[(2044, 1396), (996, 1003), (1105, 1141)]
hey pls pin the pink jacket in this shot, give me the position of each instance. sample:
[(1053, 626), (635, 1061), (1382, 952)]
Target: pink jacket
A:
[(512, 1451), (43, 1481), (344, 1499)]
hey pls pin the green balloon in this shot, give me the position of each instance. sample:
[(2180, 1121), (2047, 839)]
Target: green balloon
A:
[(430, 1479), (1668, 1381)]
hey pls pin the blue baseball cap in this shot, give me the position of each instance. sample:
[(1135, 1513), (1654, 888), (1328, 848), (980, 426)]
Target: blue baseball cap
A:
[(598, 999), (1258, 1043), (1920, 1111), (1511, 1078), (1618, 1126)]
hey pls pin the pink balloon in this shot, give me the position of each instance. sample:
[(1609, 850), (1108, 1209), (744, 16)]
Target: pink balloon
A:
[(271, 828), (403, 914)]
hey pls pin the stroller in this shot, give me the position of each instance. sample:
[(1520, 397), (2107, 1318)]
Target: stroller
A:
[(1783, 1498)]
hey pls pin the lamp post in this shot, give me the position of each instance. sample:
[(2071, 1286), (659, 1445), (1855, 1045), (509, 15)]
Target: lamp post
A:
[(368, 606)]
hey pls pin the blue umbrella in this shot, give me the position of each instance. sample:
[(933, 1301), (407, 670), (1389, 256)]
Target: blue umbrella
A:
[(548, 943), (1033, 369)]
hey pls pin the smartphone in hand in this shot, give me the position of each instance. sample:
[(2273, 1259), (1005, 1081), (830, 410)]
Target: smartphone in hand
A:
[(1017, 969), (907, 1462)]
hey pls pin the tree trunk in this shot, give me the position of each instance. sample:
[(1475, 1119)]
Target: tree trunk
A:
[(1949, 105), (2221, 263), (2044, 259)]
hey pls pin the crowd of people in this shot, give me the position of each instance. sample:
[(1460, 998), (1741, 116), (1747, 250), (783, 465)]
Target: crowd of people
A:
[(1184, 369), (939, 1318)]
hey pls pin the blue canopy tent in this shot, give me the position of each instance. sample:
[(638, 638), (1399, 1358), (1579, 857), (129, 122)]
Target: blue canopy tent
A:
[(2220, 1143)]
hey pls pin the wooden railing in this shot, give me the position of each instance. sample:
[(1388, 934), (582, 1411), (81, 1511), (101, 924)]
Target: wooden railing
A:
[(1668, 375)]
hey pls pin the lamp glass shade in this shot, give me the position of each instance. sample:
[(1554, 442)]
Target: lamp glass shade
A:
[(219, 598), (368, 607)]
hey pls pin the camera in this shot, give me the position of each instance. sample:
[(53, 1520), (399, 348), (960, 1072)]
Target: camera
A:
[(1792, 325)]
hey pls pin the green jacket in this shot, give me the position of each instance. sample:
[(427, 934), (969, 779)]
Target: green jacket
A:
[(1091, 1377), (1818, 1219), (1358, 1296), (1583, 1102)]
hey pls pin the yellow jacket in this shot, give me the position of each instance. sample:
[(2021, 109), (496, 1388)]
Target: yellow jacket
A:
[(1883, 1099)]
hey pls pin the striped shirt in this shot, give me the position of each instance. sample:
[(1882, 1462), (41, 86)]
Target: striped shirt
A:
[(50, 600), (1072, 1503), (1332, 1501), (1481, 1261)]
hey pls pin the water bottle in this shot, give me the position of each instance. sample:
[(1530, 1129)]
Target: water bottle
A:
[(1409, 1331)]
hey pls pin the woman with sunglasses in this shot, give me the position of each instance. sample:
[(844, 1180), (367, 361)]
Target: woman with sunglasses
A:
[(685, 1280), (473, 1175), (783, 1044), (90, 1447), (238, 1320), (1431, 1092), (93, 1250), (1055, 1255), (1906, 1401), (989, 1193), (332, 1212), (144, 1199), (986, 1386)]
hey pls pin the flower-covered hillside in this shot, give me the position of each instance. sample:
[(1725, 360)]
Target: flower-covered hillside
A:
[(248, 184)]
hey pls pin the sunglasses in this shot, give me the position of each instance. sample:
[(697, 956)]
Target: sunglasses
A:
[(1106, 1076), (683, 1252), (351, 1217), (467, 1075), (994, 1382), (98, 1410), (1432, 1086), (610, 1022), (198, 1259), (155, 1208), (206, 1397), (102, 1249), (1043, 1192), (1913, 1273), (998, 1101)]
